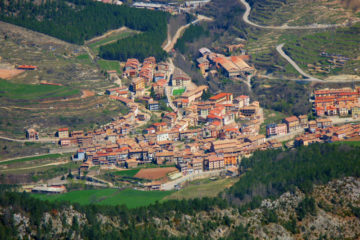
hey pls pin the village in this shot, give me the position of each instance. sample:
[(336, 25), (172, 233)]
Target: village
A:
[(197, 133)]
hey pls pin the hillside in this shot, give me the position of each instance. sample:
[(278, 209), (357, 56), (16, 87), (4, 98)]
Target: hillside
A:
[(316, 197), (328, 53), (76, 21), (26, 102), (330, 211), (302, 12)]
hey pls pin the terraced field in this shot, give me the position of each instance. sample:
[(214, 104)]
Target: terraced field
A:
[(320, 49), (299, 12)]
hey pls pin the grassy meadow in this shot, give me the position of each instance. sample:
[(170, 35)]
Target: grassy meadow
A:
[(129, 197), (34, 92)]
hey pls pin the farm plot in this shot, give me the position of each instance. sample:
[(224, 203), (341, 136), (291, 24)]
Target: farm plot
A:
[(154, 173)]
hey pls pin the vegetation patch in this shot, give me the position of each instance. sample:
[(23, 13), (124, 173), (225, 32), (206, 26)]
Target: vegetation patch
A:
[(94, 46), (202, 188), (328, 53), (33, 92), (127, 173), (128, 197), (271, 173), (107, 65), (75, 21), (49, 156), (177, 92)]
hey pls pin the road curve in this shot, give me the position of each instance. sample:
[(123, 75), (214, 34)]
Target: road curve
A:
[(171, 43), (283, 27), (307, 76)]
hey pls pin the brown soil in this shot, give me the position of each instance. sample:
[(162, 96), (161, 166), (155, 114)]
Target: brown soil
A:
[(9, 73), (154, 173), (87, 93)]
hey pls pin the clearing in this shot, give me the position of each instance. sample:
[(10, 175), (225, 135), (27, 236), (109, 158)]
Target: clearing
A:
[(10, 73), (34, 92), (129, 197), (202, 188), (109, 37)]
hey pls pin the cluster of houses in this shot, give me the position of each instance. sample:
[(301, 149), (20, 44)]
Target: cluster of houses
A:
[(211, 137), (172, 7), (328, 133), (233, 66), (341, 102)]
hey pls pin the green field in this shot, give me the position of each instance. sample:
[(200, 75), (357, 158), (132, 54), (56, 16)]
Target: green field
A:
[(110, 39), (203, 188), (107, 65), (33, 92), (127, 173), (129, 197), (178, 92), (49, 156), (352, 143)]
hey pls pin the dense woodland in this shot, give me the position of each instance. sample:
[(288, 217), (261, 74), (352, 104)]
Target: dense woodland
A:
[(191, 34), (75, 21), (271, 173), (288, 97)]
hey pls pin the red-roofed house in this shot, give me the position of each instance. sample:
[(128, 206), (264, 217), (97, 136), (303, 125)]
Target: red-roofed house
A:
[(63, 132), (222, 98)]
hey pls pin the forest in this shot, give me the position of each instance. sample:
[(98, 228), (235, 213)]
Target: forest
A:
[(93, 229), (190, 35), (271, 173), (75, 21)]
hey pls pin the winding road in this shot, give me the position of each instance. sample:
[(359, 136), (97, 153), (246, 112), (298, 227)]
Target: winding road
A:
[(283, 27), (307, 76), (171, 42)]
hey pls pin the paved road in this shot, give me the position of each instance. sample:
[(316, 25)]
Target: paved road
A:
[(171, 43), (283, 27), (307, 76), (168, 88)]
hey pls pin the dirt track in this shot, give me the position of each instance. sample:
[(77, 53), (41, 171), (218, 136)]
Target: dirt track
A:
[(122, 29)]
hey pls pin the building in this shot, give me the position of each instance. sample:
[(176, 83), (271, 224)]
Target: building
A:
[(63, 133), (256, 140), (32, 134), (355, 111), (153, 105), (193, 95), (27, 67), (214, 162), (292, 123), (222, 98), (137, 84), (324, 123), (242, 101), (131, 163), (180, 78), (276, 129)]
